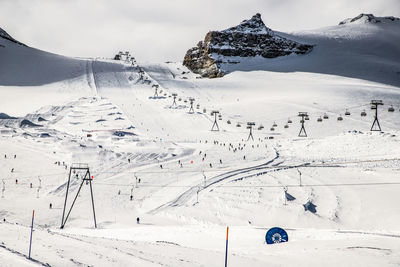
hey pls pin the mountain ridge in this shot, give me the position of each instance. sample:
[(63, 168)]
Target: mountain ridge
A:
[(248, 39)]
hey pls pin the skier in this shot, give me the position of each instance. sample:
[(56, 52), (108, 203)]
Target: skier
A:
[(16, 181), (137, 220), (50, 206)]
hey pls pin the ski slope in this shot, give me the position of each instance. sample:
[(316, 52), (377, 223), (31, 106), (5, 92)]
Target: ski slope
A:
[(194, 182)]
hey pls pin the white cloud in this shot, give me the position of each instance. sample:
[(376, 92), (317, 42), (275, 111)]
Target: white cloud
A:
[(157, 30)]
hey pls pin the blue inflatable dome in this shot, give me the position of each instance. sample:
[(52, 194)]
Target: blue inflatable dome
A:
[(276, 235)]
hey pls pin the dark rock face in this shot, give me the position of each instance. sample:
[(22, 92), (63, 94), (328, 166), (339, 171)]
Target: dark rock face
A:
[(248, 39)]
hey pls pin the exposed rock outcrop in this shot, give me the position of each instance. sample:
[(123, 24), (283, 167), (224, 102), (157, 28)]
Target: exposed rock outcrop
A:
[(368, 18), (248, 39)]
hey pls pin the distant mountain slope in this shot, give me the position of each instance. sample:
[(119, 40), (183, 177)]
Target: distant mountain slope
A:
[(248, 39), (21, 65), (365, 47)]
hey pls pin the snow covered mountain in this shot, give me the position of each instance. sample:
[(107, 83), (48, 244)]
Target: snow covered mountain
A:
[(153, 156), (248, 39), (369, 18), (363, 47)]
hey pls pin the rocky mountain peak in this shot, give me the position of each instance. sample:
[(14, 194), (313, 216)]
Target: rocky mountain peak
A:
[(368, 18), (250, 38), (254, 25)]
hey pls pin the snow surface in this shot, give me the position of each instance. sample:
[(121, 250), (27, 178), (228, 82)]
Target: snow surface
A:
[(367, 51), (348, 172)]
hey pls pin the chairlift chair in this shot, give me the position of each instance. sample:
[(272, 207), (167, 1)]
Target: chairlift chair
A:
[(340, 118), (319, 119), (238, 125), (326, 116), (363, 113), (286, 126), (347, 113), (272, 129), (274, 125), (391, 109), (228, 122), (289, 121), (307, 118)]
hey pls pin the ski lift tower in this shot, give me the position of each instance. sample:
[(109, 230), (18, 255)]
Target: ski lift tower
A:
[(250, 127), (191, 110), (303, 116), (215, 113), (174, 103), (374, 105), (78, 168)]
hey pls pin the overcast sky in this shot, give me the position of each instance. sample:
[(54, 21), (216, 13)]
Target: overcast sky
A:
[(159, 30)]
